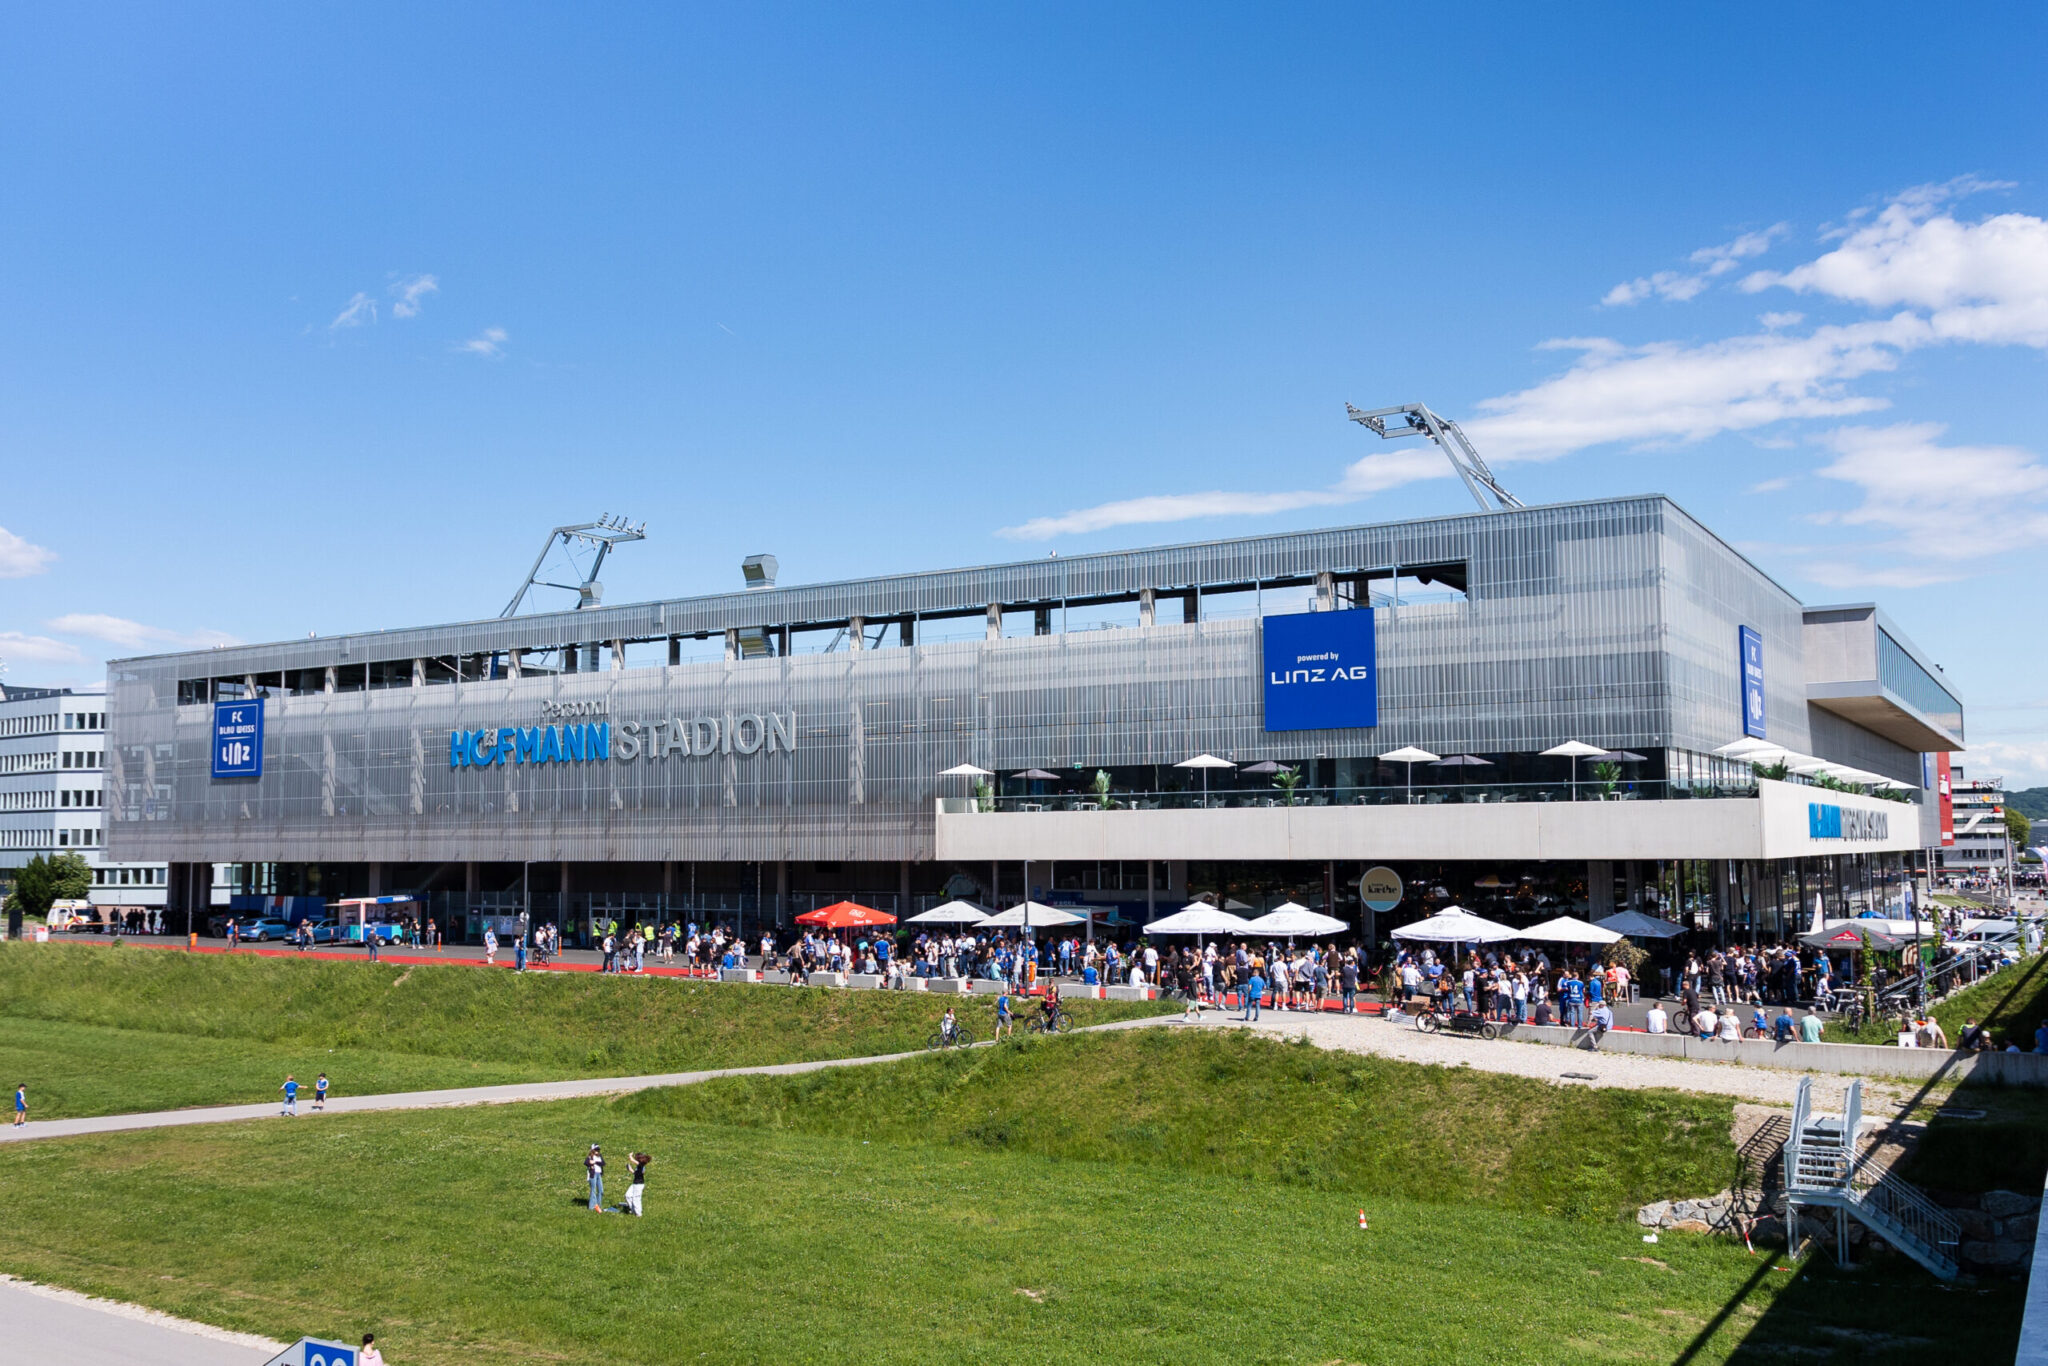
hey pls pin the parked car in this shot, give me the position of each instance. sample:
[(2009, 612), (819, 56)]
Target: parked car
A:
[(259, 931)]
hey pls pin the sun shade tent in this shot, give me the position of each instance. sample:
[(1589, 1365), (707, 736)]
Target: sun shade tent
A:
[(1037, 775), (1411, 756), (952, 913), (1852, 937), (845, 915), (969, 771), (1291, 921), (1748, 749), (1636, 925), (1573, 750), (1569, 930), (1199, 918), (1205, 762), (1031, 915), (1456, 925)]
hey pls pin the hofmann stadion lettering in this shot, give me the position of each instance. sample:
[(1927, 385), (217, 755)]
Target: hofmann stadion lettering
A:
[(1321, 671), (597, 742)]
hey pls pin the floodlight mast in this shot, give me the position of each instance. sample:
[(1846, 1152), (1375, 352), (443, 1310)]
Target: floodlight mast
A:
[(1479, 480), (600, 536)]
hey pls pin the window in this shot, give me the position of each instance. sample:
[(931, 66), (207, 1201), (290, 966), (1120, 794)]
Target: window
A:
[(1902, 674)]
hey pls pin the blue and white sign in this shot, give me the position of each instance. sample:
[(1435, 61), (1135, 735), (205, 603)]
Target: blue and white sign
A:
[(315, 1352), (1827, 821), (1322, 671), (238, 739), (1752, 682)]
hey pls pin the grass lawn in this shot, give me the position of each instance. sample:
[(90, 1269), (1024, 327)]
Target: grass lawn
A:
[(2012, 1002), (461, 1234), (99, 1030)]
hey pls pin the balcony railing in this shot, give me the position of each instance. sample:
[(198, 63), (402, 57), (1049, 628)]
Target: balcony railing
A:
[(1436, 794)]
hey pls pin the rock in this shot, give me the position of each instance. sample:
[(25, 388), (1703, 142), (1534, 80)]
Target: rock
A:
[(1690, 1226), (1997, 1255), (1975, 1224), (1653, 1215), (2005, 1204), (2020, 1230), (1769, 1229)]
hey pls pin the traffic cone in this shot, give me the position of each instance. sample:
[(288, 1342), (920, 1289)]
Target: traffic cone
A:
[(1362, 1225)]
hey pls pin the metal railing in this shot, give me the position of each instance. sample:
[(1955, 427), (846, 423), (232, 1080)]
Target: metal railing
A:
[(1823, 1166), (1434, 794)]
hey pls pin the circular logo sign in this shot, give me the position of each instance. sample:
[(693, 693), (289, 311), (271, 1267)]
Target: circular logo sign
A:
[(1380, 889)]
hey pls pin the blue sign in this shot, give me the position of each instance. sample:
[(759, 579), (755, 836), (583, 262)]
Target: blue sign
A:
[(1322, 671), (238, 739), (1826, 821), (1752, 682)]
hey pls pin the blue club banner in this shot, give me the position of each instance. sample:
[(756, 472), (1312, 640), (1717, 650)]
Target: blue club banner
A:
[(1752, 682), (238, 739), (1322, 671)]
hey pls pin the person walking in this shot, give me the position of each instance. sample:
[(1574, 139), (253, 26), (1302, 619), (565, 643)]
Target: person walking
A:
[(1350, 986), (636, 1191), (369, 1356), (375, 944), (490, 947), (21, 1105), (1254, 994), (594, 1165), (291, 1095), (320, 1092), (234, 934), (519, 953)]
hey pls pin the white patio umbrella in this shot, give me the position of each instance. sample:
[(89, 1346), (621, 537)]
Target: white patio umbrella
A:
[(1636, 925), (1411, 756), (1205, 762), (1747, 747), (1570, 930), (1199, 918), (952, 913), (1289, 920), (1574, 750), (968, 771), (1456, 925), (1031, 915)]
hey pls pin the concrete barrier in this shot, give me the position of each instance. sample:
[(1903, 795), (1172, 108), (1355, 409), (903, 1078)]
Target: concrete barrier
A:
[(738, 975), (860, 981), (1080, 991), (948, 986), (824, 978), (911, 983), (981, 986), (1852, 1059), (1130, 993)]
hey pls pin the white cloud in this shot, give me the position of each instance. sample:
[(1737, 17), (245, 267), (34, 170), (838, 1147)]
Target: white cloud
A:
[(1981, 282), (1167, 507), (134, 635), (1773, 321), (1771, 485), (489, 343), (409, 292), (2022, 765), (20, 558), (17, 648), (359, 310), (1677, 286)]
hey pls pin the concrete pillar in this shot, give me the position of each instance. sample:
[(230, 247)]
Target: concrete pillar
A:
[(472, 878), (1599, 888), (1326, 591), (376, 873), (331, 680), (1151, 892), (1191, 605), (906, 633), (856, 633), (995, 621), (618, 655), (1041, 621), (248, 685), (732, 643), (903, 889), (781, 888), (568, 659), (675, 651), (419, 673), (1148, 607), (668, 877), (1177, 880)]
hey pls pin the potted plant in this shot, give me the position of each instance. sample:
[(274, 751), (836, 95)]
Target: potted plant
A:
[(1103, 801), (1288, 779)]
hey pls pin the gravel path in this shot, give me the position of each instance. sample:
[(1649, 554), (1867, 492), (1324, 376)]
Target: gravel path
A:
[(1367, 1034)]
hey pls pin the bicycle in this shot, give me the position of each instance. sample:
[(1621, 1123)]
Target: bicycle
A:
[(961, 1037), (1061, 1023)]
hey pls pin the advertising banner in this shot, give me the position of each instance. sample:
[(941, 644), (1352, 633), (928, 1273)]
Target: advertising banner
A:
[(1945, 790), (1321, 671), (1752, 681), (238, 739)]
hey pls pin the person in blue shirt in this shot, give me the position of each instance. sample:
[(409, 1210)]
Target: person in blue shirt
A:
[(320, 1092), (1782, 1027), (2041, 1038), (1004, 1024), (291, 1094), (21, 1105), (1254, 995), (1574, 993)]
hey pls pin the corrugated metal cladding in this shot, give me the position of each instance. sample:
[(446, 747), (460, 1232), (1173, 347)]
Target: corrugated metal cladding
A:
[(1612, 622)]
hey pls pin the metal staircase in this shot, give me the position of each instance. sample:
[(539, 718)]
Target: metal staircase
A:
[(1826, 1167)]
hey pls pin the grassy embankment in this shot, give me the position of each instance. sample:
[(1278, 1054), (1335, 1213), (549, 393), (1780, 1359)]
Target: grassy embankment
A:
[(1156, 1196), (98, 1030)]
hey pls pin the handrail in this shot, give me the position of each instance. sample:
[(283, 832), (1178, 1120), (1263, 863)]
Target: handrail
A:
[(1431, 794)]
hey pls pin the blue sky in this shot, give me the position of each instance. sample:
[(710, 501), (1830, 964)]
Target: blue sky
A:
[(318, 319)]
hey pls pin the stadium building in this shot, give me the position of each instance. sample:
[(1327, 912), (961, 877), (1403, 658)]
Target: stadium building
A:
[(758, 752)]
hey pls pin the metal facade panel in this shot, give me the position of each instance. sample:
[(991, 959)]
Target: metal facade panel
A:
[(1609, 622)]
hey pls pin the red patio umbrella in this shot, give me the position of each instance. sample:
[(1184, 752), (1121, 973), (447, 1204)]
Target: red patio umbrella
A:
[(845, 915)]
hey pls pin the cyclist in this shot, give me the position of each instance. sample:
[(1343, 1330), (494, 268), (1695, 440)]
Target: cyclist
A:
[(1004, 1024), (949, 1028), (1049, 1007)]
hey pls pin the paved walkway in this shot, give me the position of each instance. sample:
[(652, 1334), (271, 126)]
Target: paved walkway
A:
[(52, 1327), (422, 1100), (1369, 1034)]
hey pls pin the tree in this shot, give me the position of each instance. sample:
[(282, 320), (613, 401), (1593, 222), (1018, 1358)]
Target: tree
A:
[(44, 880), (2019, 827)]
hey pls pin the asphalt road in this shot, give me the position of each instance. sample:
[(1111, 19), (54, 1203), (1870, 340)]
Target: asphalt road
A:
[(60, 1328)]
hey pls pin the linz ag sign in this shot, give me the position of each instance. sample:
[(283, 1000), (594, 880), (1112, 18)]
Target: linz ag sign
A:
[(1826, 821), (1321, 671)]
